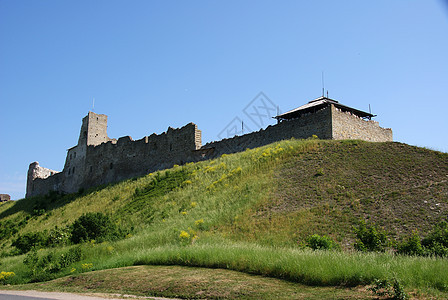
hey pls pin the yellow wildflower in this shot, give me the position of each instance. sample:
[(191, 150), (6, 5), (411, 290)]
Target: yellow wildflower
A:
[(184, 235), (87, 266)]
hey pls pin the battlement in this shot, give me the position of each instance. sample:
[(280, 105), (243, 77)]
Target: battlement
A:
[(98, 159)]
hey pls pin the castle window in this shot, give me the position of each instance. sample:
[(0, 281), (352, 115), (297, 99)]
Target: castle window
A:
[(74, 155), (91, 169), (73, 170), (69, 171), (111, 166), (171, 147)]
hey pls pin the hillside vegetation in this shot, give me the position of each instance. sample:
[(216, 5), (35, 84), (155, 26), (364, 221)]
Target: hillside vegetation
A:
[(252, 211)]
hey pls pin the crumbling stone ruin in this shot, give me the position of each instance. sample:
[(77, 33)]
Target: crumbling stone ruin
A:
[(5, 197), (98, 159)]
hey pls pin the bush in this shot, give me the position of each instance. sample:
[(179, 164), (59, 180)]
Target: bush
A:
[(370, 238), (392, 289), (58, 237), (7, 229), (436, 243), (26, 242), (317, 242), (93, 226), (43, 268), (411, 245)]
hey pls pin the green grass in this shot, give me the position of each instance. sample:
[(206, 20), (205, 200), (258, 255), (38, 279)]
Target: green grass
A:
[(191, 283), (252, 211)]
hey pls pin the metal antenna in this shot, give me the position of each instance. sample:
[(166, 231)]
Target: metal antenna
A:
[(370, 112), (323, 84), (242, 127), (327, 93), (93, 104)]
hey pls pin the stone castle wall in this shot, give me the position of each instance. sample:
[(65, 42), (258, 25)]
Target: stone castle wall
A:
[(112, 162), (5, 197), (318, 123), (115, 160), (97, 159), (40, 180), (347, 126)]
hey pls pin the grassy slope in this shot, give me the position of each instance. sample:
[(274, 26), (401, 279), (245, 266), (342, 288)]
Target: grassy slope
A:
[(268, 197), (327, 191)]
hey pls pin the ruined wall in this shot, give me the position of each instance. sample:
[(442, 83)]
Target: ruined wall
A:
[(5, 197), (112, 162), (318, 123), (98, 160), (91, 165), (348, 126), (41, 180)]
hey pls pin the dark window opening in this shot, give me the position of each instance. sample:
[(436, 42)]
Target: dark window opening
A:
[(68, 171), (171, 147), (111, 166), (73, 170), (91, 169)]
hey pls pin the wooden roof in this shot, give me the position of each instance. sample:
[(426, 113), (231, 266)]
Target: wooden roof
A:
[(319, 103)]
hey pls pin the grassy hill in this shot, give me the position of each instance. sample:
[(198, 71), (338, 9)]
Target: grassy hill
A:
[(252, 212)]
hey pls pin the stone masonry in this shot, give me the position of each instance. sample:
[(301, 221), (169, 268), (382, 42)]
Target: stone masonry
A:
[(98, 159), (4, 197)]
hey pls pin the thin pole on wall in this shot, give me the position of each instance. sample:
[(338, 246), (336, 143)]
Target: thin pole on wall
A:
[(323, 85)]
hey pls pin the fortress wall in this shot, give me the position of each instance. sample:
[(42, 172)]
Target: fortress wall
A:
[(37, 180), (42, 180), (348, 126), (89, 165), (73, 172), (112, 162), (318, 123)]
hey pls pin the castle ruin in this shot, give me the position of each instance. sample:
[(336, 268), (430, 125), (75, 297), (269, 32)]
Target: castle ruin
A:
[(98, 159)]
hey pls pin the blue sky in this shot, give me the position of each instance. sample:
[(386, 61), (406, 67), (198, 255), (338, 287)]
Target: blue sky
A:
[(154, 64)]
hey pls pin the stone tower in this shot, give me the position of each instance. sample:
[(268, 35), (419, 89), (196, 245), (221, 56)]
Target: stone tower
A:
[(93, 130), (93, 133)]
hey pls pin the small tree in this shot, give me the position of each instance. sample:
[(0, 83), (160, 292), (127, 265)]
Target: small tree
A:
[(93, 226), (436, 243), (26, 242), (411, 245), (370, 238), (317, 242)]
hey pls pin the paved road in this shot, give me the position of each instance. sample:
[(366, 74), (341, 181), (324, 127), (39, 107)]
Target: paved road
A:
[(36, 295)]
